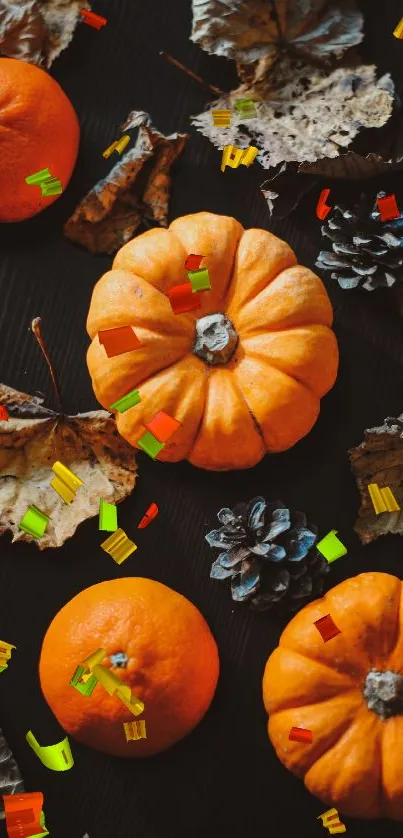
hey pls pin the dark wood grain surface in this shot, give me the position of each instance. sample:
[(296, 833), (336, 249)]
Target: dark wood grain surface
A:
[(224, 779)]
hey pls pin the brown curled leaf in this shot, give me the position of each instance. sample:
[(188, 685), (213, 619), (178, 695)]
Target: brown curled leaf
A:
[(379, 459), (136, 190)]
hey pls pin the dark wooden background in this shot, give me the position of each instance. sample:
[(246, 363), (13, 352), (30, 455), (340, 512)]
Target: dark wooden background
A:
[(224, 779)]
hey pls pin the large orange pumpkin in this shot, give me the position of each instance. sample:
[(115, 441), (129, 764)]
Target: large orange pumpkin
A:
[(244, 374), (349, 692)]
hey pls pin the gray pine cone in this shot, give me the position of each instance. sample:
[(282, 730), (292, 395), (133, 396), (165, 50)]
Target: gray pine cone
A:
[(11, 781), (366, 251), (268, 553)]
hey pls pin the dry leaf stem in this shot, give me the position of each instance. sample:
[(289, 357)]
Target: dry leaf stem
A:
[(36, 328), (216, 90)]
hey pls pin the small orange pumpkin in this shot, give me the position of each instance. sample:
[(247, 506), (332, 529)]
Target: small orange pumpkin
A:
[(243, 374), (349, 692)]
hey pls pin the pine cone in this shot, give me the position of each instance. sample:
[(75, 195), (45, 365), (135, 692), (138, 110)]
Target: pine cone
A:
[(11, 781), (366, 251), (267, 553)]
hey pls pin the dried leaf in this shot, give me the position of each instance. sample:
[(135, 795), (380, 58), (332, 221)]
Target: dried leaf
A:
[(312, 113), (37, 31), (11, 781), (32, 440), (246, 30), (285, 187), (379, 459), (136, 190)]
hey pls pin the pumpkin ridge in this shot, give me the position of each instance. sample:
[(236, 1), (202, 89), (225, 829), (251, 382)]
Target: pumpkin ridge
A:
[(242, 397), (329, 741), (291, 378)]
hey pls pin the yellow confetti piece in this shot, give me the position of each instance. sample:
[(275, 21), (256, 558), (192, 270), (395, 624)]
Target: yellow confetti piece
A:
[(377, 499)]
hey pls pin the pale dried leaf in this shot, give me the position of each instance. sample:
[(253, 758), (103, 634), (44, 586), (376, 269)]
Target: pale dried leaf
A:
[(312, 114), (379, 459), (37, 31), (110, 213), (30, 442), (246, 31)]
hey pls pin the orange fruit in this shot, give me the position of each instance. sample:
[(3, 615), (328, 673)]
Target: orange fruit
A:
[(38, 129), (155, 640)]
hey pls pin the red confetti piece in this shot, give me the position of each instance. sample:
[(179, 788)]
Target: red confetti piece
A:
[(388, 207), (322, 210), (118, 341), (148, 516), (193, 262), (92, 19), (3, 414), (300, 734), (183, 299), (327, 628), (162, 426)]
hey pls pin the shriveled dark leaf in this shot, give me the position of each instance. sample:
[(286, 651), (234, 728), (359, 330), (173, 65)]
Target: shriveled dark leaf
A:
[(246, 30), (373, 154), (136, 190), (379, 459), (32, 440), (37, 31)]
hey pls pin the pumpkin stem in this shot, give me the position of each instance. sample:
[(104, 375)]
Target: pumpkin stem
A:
[(216, 338), (119, 659), (383, 692)]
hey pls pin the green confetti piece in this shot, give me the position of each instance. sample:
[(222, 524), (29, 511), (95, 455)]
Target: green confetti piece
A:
[(331, 547), (33, 180), (150, 444), (87, 687), (199, 280), (108, 516), (34, 522), (127, 401)]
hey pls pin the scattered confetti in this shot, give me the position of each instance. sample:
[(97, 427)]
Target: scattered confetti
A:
[(322, 209), (300, 734), (182, 298), (117, 145), (331, 547), (150, 445), (199, 280), (388, 207), (162, 426), (135, 730), (108, 516), (383, 500), (34, 522), (119, 546), (5, 654), (148, 516), (92, 19), (234, 157), (327, 628), (24, 815), (56, 757), (192, 262), (65, 483), (398, 31), (328, 817), (119, 340), (221, 118), (129, 400)]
